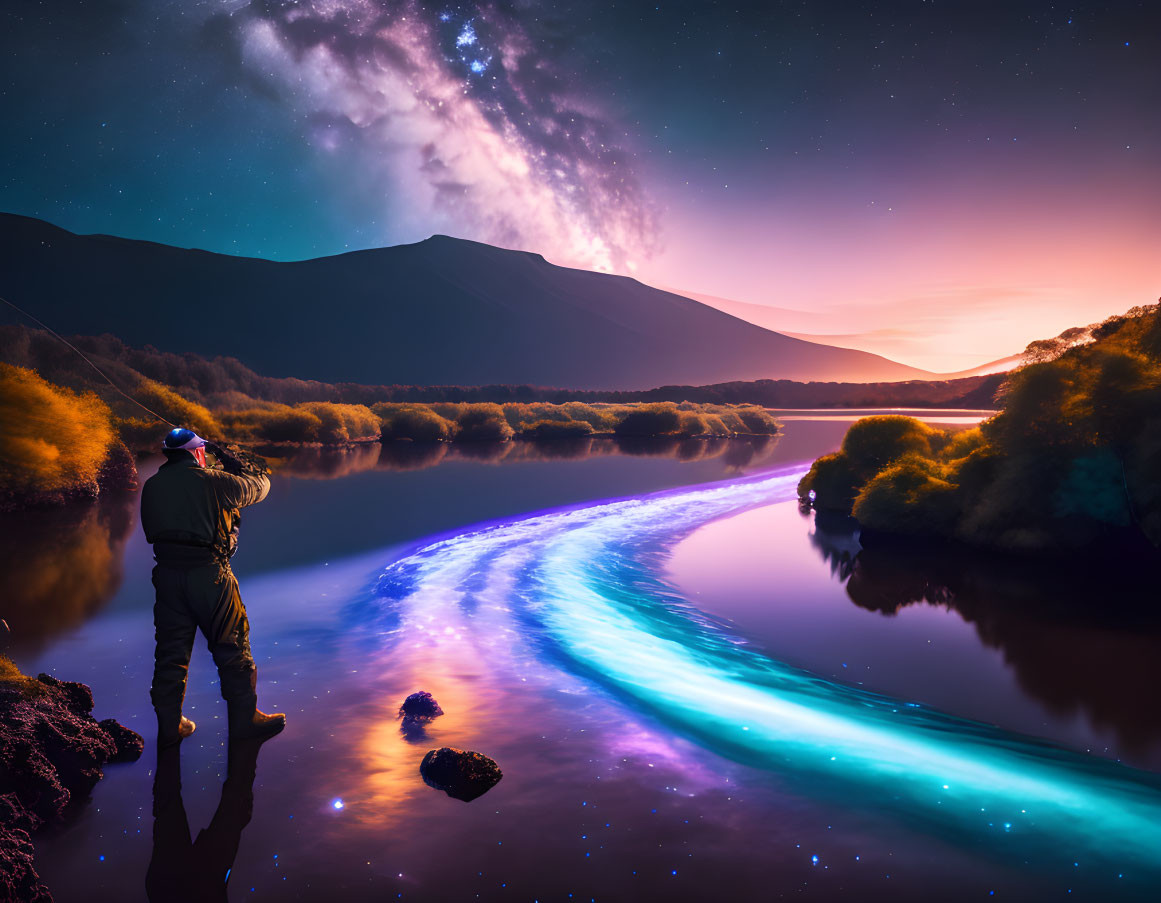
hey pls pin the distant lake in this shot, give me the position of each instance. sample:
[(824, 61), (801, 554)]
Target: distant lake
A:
[(694, 690)]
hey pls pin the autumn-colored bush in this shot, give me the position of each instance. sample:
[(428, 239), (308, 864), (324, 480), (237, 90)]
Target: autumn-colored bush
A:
[(520, 415), (693, 424), (53, 439), (342, 422), (272, 423), (758, 421), (649, 420), (910, 495), (874, 442), (831, 484), (1072, 460), (176, 408), (601, 418), (557, 429), (483, 423), (415, 422)]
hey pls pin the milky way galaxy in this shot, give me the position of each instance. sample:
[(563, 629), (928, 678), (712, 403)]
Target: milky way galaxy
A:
[(927, 181), (462, 118)]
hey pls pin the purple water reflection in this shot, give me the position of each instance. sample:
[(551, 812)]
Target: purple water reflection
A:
[(598, 800)]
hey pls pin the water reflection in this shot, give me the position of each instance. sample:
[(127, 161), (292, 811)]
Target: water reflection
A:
[(570, 596), (1071, 655), (182, 869), (323, 463), (60, 566), (333, 463)]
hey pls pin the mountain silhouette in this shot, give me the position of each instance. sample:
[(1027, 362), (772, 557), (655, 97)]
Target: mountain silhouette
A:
[(441, 311)]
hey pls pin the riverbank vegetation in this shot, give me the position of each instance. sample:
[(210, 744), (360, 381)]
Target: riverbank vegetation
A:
[(1073, 460), (63, 439), (56, 444)]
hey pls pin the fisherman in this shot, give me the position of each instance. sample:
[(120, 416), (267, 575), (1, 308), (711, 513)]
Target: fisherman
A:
[(190, 515)]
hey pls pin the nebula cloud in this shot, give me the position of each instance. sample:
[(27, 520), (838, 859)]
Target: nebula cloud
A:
[(462, 117)]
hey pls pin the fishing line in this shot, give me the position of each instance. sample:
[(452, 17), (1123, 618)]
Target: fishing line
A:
[(85, 358)]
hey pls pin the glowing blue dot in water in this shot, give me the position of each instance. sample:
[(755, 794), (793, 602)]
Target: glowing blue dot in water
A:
[(337, 803)]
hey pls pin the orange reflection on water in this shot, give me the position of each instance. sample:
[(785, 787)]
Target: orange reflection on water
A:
[(446, 662)]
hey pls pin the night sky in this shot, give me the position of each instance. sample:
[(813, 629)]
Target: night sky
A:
[(941, 181)]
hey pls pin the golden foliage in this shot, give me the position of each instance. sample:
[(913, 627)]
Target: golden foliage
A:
[(1073, 458), (271, 423), (53, 438), (177, 409), (415, 422), (342, 422)]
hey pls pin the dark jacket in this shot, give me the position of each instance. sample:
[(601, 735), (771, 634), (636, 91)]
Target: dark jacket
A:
[(190, 513)]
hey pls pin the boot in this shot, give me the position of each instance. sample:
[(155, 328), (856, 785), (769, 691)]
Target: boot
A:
[(165, 738), (258, 726)]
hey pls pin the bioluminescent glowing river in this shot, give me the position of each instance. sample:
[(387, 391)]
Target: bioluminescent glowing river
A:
[(577, 593)]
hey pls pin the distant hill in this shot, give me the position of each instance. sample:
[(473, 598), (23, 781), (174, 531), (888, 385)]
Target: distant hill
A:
[(226, 382), (817, 328), (442, 311)]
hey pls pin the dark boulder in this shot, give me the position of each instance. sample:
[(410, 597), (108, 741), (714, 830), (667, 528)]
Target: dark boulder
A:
[(461, 774), (18, 878), (51, 754), (130, 744), (420, 707)]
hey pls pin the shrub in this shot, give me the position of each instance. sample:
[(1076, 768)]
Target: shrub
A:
[(419, 424), (53, 439), (343, 422), (649, 420), (277, 423), (962, 444), (692, 424), (758, 421), (717, 426), (909, 496), (483, 423), (1069, 463), (520, 416), (874, 442), (173, 407), (834, 482), (731, 421), (601, 419), (557, 429)]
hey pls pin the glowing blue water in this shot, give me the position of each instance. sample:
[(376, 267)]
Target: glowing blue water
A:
[(577, 591)]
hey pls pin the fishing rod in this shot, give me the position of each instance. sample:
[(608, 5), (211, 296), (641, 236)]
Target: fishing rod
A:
[(86, 359)]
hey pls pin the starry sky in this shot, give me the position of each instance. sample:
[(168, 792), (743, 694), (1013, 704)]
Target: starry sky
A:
[(940, 182)]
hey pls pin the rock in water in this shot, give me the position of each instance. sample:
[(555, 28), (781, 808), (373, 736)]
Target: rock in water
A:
[(129, 743), (461, 774), (420, 707), (18, 878), (51, 754)]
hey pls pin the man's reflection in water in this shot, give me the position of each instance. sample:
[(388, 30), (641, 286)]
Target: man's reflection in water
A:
[(199, 870)]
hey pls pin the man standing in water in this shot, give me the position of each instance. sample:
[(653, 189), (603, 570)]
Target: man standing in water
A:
[(190, 516)]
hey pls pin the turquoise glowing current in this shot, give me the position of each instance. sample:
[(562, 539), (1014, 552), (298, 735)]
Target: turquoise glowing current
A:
[(579, 591)]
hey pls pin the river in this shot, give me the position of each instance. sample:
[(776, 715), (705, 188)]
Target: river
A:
[(694, 690)]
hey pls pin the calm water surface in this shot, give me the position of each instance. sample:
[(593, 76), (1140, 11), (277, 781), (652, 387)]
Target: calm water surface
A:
[(663, 681)]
